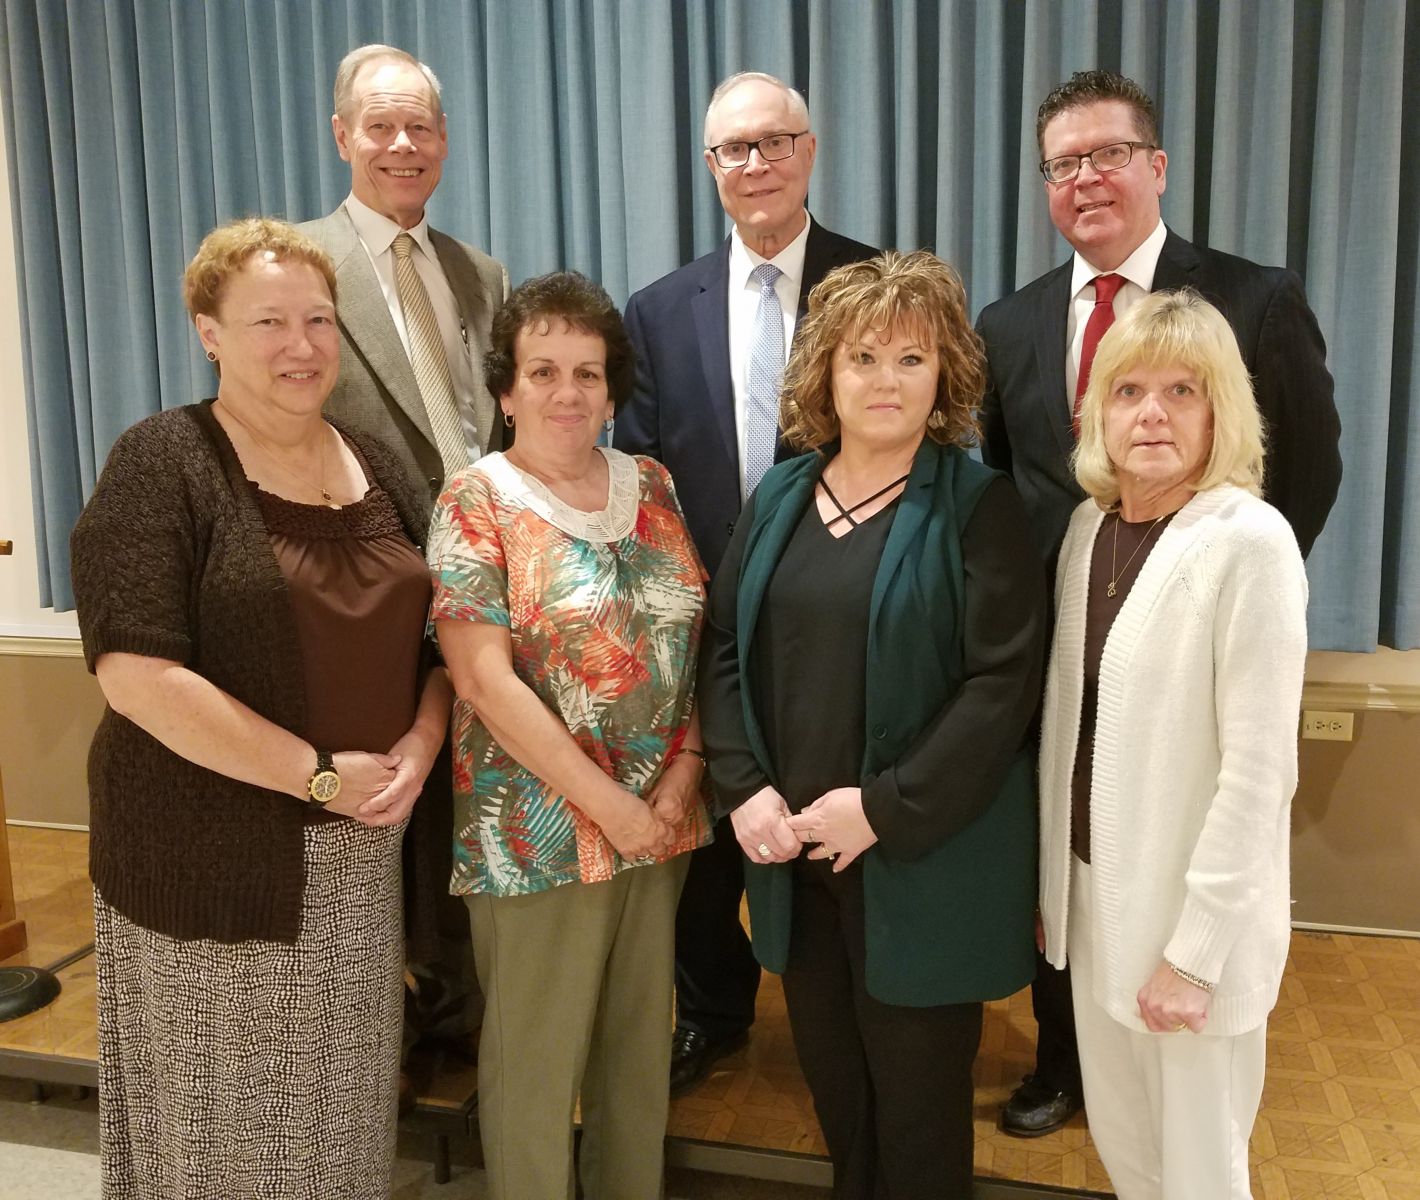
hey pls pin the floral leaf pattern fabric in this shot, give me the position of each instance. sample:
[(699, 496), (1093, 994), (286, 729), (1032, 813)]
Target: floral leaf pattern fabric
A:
[(605, 612)]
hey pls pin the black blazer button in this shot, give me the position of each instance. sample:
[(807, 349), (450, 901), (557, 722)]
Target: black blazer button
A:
[(434, 485), (879, 732), (730, 528)]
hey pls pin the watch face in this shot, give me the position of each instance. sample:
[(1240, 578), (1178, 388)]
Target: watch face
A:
[(325, 787)]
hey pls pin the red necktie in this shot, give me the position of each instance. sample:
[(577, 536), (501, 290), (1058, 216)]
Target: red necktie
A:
[(1101, 318)]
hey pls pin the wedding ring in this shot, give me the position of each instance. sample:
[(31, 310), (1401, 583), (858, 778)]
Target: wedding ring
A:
[(1180, 1027), (765, 851), (643, 860)]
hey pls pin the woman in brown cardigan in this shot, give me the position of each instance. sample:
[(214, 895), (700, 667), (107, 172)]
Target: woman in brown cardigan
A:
[(252, 598)]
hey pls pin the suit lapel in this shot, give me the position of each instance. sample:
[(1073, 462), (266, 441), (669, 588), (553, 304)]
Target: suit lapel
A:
[(1177, 261), (475, 314), (1050, 351), (365, 318), (711, 310)]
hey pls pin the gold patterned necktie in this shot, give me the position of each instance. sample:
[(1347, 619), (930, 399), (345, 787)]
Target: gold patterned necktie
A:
[(426, 355)]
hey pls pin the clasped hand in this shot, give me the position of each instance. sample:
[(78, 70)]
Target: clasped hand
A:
[(380, 789), (837, 823)]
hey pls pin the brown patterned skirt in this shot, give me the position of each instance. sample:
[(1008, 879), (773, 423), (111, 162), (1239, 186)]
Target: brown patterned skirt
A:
[(258, 1069)]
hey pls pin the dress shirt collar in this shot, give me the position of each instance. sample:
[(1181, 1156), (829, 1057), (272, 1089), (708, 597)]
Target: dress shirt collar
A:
[(1137, 269), (789, 260), (378, 232)]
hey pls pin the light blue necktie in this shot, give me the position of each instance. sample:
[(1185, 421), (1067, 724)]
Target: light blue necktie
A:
[(766, 370)]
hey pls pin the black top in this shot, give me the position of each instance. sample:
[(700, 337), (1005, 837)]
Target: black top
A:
[(811, 645), (1120, 551), (810, 658)]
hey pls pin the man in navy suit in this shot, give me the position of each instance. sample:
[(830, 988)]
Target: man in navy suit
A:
[(696, 332), (1104, 174)]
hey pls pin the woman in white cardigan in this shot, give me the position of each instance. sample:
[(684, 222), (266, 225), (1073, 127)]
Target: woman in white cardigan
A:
[(1168, 753)]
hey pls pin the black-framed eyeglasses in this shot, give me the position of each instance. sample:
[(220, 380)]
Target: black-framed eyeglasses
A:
[(1104, 159), (773, 148)]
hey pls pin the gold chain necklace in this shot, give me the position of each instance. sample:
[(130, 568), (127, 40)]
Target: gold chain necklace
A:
[(326, 498), (1114, 553)]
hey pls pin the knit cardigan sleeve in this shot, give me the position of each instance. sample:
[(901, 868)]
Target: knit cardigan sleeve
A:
[(1259, 651), (132, 552)]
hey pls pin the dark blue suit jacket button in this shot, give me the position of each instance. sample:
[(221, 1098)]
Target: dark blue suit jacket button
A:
[(880, 732)]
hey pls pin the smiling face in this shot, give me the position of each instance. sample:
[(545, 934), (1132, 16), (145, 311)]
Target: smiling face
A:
[(1104, 217), (394, 141), (884, 387), (765, 200), (275, 337), (559, 400), (1158, 431)]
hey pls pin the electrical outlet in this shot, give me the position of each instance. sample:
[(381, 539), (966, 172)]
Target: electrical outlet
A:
[(1327, 726)]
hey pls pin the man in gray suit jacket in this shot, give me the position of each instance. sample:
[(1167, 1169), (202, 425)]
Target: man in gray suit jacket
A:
[(411, 373), (390, 127)]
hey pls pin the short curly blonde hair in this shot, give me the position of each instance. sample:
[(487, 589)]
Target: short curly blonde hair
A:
[(1175, 329), (226, 250), (916, 292)]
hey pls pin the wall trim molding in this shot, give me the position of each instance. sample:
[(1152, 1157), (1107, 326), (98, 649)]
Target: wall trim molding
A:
[(1364, 931), (41, 647), (1362, 697)]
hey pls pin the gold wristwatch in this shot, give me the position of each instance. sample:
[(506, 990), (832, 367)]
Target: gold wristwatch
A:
[(324, 785)]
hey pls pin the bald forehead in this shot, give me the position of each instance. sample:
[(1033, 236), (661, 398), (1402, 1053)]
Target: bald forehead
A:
[(393, 80), (747, 106)]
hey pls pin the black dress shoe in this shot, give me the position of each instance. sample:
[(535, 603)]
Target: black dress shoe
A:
[(693, 1054), (1036, 1109)]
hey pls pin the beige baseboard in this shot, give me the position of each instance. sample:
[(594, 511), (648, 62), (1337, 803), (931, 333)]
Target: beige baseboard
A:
[(42, 647)]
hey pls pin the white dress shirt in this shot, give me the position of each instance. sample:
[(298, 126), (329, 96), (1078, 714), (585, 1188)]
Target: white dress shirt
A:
[(744, 307), (377, 233), (1138, 272)]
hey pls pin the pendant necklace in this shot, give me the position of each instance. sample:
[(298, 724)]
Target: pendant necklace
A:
[(1114, 553), (326, 498)]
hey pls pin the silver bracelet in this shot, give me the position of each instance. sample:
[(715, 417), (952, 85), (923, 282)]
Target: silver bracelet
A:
[(1189, 977)]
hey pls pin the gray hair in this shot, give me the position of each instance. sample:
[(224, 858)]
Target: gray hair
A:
[(361, 57), (797, 104)]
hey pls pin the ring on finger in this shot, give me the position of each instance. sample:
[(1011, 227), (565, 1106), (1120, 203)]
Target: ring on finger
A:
[(1180, 1027), (764, 850)]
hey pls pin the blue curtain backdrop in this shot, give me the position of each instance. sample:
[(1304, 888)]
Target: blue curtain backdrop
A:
[(134, 126)]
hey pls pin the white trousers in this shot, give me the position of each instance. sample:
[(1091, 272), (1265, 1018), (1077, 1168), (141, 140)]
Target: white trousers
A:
[(1170, 1113)]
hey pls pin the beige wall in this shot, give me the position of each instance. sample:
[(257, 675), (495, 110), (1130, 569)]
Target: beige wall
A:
[(49, 708), (1356, 827)]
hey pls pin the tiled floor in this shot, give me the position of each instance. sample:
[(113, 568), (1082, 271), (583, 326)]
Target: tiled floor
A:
[(1340, 1115)]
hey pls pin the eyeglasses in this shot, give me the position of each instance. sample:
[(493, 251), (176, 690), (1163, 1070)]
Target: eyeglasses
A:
[(773, 148), (1113, 157)]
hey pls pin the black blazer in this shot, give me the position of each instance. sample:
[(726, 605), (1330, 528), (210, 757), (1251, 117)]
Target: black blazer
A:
[(683, 409), (1026, 412)]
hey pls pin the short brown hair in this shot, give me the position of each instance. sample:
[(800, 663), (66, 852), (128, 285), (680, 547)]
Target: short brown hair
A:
[(1093, 87), (568, 296), (917, 291), (1175, 329), (227, 249)]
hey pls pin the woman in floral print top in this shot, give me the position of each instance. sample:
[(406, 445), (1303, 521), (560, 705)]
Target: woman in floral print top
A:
[(568, 601)]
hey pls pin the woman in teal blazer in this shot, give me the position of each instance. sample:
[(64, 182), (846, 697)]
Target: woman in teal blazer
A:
[(871, 665)]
